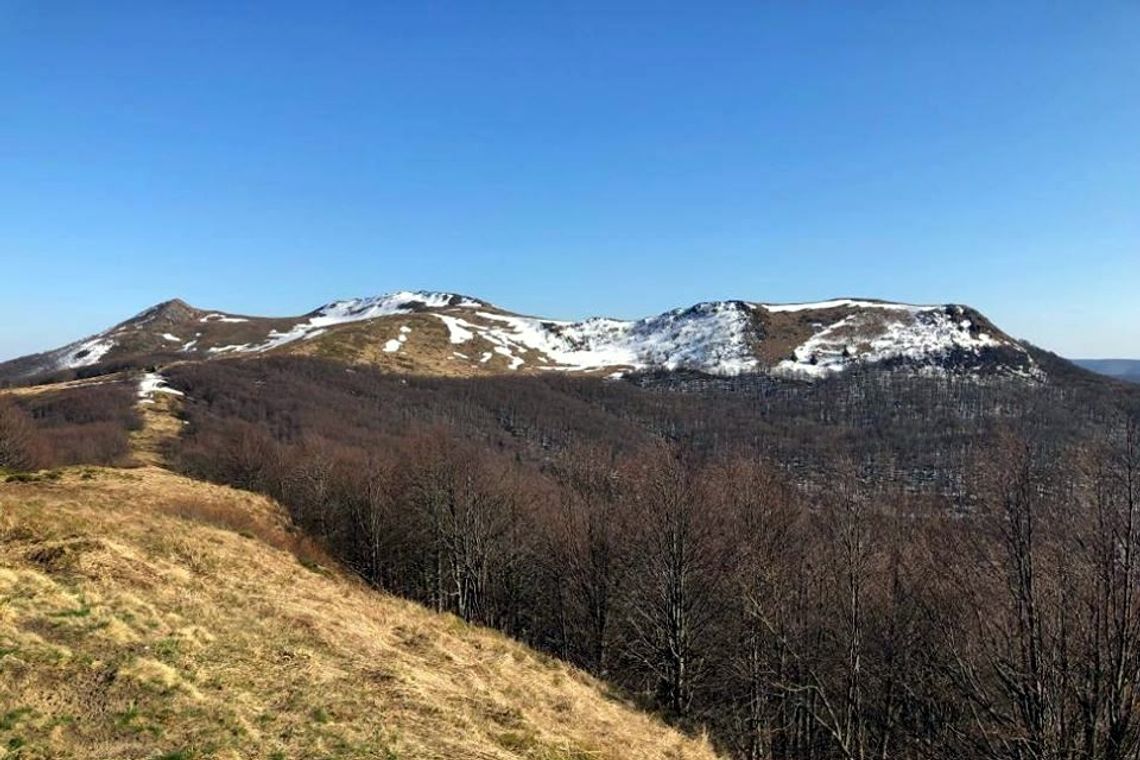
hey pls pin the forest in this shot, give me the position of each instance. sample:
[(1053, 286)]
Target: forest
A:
[(881, 566)]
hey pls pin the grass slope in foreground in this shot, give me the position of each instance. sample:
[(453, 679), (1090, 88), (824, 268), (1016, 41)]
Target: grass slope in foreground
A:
[(145, 615)]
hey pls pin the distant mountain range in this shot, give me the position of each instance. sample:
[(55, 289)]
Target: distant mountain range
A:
[(436, 333), (1122, 369)]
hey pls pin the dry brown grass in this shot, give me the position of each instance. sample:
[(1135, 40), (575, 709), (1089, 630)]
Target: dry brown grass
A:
[(142, 613), (427, 349), (266, 526), (160, 426)]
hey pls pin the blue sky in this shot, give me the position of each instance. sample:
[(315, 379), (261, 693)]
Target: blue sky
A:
[(571, 159)]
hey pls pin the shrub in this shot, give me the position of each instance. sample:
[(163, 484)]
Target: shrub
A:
[(84, 425), (21, 445)]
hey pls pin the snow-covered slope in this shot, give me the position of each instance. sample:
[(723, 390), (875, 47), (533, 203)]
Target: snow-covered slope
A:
[(710, 337), (447, 333), (874, 333)]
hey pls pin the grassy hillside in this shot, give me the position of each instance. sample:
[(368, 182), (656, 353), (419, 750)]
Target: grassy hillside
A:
[(145, 615)]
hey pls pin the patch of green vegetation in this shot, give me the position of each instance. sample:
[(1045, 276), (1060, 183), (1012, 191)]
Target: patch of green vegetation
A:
[(15, 743), (20, 477), (128, 716), (320, 715), (9, 719), (33, 477), (517, 741), (84, 610), (167, 649), (311, 566), (178, 754)]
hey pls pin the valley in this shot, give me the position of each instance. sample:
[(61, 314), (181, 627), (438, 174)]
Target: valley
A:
[(783, 531)]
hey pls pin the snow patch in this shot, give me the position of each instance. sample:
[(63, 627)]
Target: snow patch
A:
[(86, 353), (239, 347), (843, 302), (153, 383), (457, 329), (217, 317)]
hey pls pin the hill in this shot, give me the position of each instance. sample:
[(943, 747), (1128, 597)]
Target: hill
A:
[(148, 615), (1121, 369), (447, 334)]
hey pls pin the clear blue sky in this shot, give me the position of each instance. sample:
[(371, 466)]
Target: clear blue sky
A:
[(571, 159)]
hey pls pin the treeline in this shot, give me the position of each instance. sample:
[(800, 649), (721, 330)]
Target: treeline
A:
[(843, 616), (88, 425)]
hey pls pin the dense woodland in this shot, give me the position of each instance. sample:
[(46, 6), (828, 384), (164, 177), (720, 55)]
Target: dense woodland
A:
[(889, 566), (883, 566)]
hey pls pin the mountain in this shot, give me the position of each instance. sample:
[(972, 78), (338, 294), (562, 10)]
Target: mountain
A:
[(148, 615), (450, 334), (1121, 369)]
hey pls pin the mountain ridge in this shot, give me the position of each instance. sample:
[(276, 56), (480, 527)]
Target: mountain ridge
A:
[(1120, 369), (436, 332)]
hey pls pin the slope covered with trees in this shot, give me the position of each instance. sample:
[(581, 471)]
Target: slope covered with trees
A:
[(891, 566)]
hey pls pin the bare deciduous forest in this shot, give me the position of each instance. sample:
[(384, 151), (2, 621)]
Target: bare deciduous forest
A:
[(881, 566), (889, 566)]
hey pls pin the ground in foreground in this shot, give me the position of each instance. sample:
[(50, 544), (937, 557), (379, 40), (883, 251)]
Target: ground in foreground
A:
[(145, 615)]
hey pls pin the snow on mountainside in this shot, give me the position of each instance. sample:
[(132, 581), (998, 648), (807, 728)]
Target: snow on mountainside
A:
[(711, 337), (446, 333), (355, 310), (910, 333)]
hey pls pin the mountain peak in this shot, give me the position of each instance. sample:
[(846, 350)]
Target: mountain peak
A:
[(174, 310)]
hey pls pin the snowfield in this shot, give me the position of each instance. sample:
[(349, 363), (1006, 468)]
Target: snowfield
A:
[(710, 337), (85, 353)]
